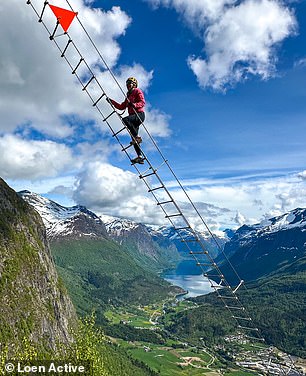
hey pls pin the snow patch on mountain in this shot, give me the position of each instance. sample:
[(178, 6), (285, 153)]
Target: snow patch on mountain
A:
[(117, 226), (59, 220), (294, 219)]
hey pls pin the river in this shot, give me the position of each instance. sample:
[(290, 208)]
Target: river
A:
[(187, 275)]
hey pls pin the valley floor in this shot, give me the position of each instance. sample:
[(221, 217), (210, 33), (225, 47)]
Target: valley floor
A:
[(176, 357)]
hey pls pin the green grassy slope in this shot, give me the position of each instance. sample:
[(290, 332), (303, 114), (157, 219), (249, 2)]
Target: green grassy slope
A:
[(98, 273)]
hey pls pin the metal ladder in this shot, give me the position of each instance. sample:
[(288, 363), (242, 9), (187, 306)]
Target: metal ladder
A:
[(151, 176)]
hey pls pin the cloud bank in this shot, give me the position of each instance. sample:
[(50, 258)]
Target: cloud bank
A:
[(240, 37), (30, 159)]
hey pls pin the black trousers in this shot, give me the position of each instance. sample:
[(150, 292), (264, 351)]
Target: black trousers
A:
[(133, 122)]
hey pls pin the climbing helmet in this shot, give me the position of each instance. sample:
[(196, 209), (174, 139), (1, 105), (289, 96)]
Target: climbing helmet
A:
[(133, 81)]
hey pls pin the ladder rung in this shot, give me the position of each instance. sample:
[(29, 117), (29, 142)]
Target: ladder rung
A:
[(214, 275), (239, 285), (101, 96), (213, 264), (247, 328), (189, 240), (120, 130), (228, 297), (147, 175), (173, 215), (156, 188), (126, 147), (242, 318), (217, 286), (45, 3), (197, 253), (65, 49), (203, 264), (88, 83), (79, 63), (239, 308), (54, 31), (164, 202)]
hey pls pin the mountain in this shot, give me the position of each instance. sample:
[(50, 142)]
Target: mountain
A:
[(34, 303), (96, 270), (155, 248), (158, 247), (168, 234), (152, 252), (62, 222), (271, 258), (259, 250)]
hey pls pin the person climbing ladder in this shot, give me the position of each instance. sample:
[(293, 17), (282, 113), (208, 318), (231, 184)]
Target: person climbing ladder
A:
[(135, 103)]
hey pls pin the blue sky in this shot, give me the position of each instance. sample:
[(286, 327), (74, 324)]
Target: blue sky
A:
[(225, 86)]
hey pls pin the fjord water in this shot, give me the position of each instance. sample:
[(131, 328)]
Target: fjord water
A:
[(188, 276)]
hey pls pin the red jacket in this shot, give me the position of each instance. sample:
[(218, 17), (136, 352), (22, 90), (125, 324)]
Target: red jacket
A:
[(135, 99)]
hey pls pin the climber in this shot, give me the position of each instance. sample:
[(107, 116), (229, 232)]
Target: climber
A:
[(135, 103)]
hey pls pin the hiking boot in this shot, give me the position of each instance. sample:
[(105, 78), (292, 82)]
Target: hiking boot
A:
[(137, 140), (139, 160)]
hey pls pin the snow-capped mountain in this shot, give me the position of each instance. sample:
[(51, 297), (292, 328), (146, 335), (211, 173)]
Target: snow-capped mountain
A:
[(147, 237), (78, 222), (138, 240), (60, 221), (266, 247), (212, 245), (155, 247), (118, 227)]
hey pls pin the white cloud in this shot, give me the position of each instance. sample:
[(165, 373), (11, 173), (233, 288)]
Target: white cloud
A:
[(21, 159), (302, 175), (106, 189), (196, 13), (239, 219), (240, 37), (254, 199)]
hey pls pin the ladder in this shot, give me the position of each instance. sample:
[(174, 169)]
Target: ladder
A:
[(153, 173)]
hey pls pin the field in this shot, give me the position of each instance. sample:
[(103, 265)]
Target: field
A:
[(174, 357), (169, 361)]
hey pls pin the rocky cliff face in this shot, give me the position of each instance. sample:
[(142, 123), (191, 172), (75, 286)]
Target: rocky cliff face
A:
[(33, 302)]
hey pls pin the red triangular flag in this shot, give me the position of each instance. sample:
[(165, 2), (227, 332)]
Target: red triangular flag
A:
[(64, 16)]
